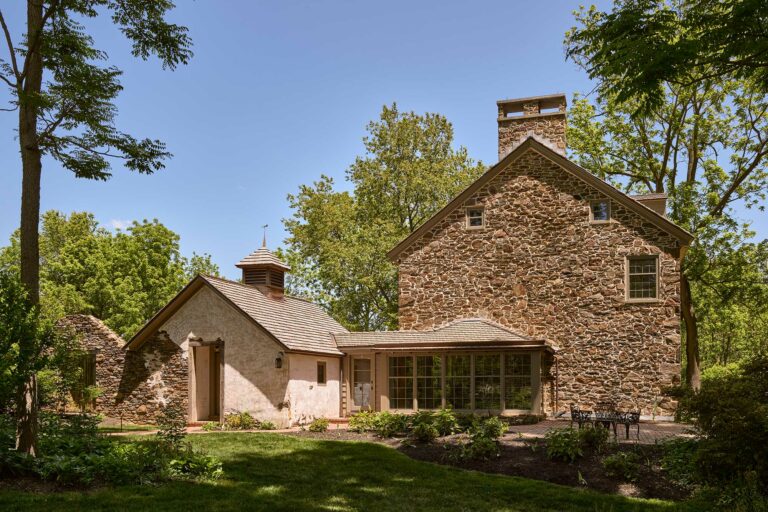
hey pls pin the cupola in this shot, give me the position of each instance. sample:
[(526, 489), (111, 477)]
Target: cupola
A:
[(265, 271)]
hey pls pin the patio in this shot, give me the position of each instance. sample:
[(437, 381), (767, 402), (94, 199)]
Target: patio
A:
[(650, 432)]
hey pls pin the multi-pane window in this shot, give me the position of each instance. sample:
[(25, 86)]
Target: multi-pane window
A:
[(458, 382), (475, 217), (600, 210), (487, 382), (401, 382), (643, 275), (517, 381), (428, 392)]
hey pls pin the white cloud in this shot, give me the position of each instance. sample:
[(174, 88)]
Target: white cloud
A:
[(119, 224)]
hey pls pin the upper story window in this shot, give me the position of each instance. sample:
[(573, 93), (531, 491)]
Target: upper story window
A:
[(475, 217), (643, 278), (600, 210)]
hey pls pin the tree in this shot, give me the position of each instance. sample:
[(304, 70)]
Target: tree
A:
[(706, 147), (66, 110), (338, 240), (642, 46), (123, 278)]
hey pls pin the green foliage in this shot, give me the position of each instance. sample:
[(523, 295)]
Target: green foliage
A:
[(389, 424), (423, 427), (122, 278), (445, 421), (564, 444), (337, 239), (239, 421), (319, 425), (211, 426), (730, 413), (172, 425), (483, 439), (594, 437), (492, 428), (624, 465), (638, 47), (267, 425), (678, 460), (193, 464), (363, 421), (468, 421)]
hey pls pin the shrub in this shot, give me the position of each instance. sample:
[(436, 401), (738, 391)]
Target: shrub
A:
[(267, 425), (195, 465), (624, 465), (730, 413), (172, 425), (467, 421), (677, 460), (492, 428), (388, 424), (363, 421), (594, 438), (423, 426), (480, 447), (564, 444), (240, 421), (319, 425), (211, 426), (525, 419), (445, 422)]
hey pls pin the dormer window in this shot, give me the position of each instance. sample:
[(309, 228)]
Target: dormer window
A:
[(475, 217), (600, 210)]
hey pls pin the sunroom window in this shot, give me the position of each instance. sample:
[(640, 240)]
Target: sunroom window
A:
[(428, 392), (401, 382), (488, 382), (458, 382), (517, 380)]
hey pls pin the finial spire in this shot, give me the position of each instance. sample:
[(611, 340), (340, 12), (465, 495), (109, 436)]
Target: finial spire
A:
[(264, 239)]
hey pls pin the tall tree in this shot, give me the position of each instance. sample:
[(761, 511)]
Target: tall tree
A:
[(338, 240), (66, 110), (641, 46), (707, 147), (123, 278)]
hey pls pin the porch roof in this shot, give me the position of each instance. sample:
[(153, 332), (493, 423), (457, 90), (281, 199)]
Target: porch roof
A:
[(467, 333)]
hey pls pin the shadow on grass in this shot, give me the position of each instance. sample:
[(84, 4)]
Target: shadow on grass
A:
[(275, 472)]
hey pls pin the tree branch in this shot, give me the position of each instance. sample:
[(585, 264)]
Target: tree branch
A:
[(11, 50)]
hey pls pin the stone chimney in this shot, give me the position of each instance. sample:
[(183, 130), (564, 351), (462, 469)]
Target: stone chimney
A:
[(656, 202), (263, 270), (542, 117)]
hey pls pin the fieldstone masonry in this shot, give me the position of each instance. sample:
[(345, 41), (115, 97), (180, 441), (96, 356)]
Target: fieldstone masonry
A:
[(540, 267), (548, 127), (135, 385)]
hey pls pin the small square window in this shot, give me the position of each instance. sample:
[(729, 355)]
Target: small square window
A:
[(321, 376), (475, 218), (642, 274), (600, 210)]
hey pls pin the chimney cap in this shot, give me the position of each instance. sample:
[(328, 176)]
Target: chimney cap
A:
[(545, 101)]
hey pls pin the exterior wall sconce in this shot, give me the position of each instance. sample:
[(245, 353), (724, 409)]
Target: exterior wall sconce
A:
[(279, 360)]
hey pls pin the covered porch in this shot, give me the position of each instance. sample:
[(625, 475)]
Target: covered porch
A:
[(470, 366)]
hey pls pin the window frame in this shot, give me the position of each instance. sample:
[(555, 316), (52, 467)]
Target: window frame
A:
[(627, 277), (592, 219), (324, 366), (468, 209)]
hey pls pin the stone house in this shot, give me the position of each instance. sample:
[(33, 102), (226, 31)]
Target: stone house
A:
[(537, 287)]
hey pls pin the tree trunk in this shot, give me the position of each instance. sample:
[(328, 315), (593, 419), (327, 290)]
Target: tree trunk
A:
[(692, 368), (26, 414)]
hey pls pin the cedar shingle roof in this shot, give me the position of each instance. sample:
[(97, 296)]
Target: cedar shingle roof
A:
[(262, 257), (469, 332), (298, 324)]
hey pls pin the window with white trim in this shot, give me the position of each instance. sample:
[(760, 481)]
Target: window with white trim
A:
[(600, 210), (475, 217), (643, 276)]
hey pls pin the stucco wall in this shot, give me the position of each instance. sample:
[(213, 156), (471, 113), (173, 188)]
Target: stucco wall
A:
[(309, 399), (540, 267), (251, 381)]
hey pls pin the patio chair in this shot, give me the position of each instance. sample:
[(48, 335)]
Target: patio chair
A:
[(628, 419), (580, 417), (606, 415)]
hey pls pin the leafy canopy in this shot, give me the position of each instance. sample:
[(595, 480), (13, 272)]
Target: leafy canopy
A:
[(641, 46), (338, 240), (122, 278), (74, 104)]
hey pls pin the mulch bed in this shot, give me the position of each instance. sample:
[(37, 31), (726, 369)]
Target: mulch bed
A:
[(517, 458)]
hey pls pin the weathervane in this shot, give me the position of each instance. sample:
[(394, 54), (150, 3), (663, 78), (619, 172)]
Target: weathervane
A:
[(264, 239)]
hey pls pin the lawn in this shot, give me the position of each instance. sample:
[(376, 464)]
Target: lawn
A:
[(278, 472)]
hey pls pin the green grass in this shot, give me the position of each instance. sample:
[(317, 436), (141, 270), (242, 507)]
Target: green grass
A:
[(111, 429), (277, 472)]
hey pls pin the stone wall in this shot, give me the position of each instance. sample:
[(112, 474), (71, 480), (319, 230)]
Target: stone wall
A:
[(540, 267), (136, 385), (549, 128)]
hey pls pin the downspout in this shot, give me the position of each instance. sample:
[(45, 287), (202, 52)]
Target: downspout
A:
[(557, 385)]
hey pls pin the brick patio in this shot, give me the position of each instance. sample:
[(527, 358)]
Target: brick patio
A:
[(650, 431)]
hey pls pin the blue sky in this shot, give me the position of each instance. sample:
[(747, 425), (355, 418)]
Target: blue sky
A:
[(279, 92)]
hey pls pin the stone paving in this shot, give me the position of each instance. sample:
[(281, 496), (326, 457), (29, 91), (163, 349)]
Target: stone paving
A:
[(650, 431)]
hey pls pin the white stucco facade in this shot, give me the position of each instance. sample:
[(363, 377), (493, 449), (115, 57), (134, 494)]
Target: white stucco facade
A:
[(308, 398)]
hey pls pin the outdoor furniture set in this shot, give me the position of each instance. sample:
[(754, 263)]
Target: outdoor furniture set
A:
[(607, 415)]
